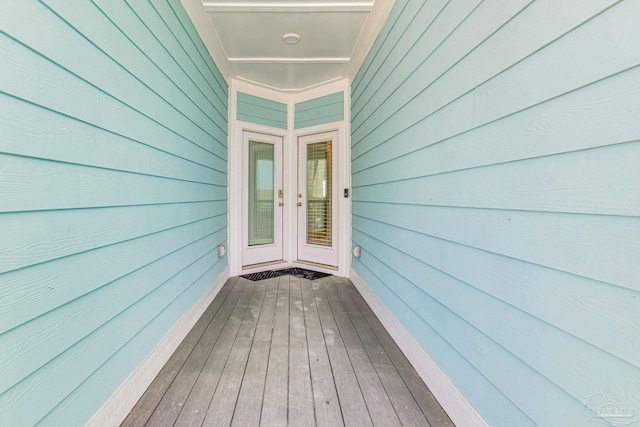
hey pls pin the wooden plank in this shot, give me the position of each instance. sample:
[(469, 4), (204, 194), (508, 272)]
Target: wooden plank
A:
[(301, 407), (148, 402), (196, 406), (379, 406), (156, 94), (168, 40), (504, 327), (405, 32), (422, 52), (591, 118), (428, 404), (593, 246), (596, 181), (27, 348), (81, 404), (31, 131), (248, 406), (31, 184), (496, 388), (512, 44), (276, 396), (188, 36), (42, 391), (168, 409), (354, 408), (29, 238), (567, 301), (224, 400), (27, 293), (138, 33), (405, 405), (325, 397)]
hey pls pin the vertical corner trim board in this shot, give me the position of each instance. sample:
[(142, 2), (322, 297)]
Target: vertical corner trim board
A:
[(459, 409), (116, 409)]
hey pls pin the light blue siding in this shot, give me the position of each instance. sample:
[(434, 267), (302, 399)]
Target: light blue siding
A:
[(254, 109), (113, 195), (318, 111), (496, 197)]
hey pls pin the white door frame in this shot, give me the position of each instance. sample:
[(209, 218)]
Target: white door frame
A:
[(272, 252), (290, 135)]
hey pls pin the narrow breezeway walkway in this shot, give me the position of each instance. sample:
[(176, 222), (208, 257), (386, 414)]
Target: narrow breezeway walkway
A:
[(288, 351)]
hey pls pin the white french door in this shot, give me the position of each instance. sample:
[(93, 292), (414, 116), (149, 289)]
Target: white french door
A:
[(261, 198), (317, 199)]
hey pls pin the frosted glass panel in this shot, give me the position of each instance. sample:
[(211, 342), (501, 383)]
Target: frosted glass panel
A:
[(261, 194), (319, 192)]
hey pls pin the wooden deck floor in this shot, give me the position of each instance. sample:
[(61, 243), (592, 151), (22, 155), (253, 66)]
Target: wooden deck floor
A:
[(288, 351)]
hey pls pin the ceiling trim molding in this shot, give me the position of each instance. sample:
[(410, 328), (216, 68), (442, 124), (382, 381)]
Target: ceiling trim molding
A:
[(372, 27), (286, 7), (276, 60), (209, 36), (292, 90)]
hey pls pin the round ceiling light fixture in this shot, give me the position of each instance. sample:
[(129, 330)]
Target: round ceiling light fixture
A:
[(291, 38)]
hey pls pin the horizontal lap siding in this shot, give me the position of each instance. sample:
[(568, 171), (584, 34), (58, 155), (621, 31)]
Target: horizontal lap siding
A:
[(113, 166), (254, 109), (318, 111), (496, 196)]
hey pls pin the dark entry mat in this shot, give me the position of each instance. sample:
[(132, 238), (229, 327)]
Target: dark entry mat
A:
[(298, 272)]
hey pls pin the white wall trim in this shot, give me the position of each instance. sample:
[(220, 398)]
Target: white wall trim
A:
[(290, 135), (287, 7), (372, 27), (118, 406), (209, 36), (459, 409)]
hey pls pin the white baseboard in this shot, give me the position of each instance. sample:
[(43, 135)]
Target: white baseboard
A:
[(118, 406), (459, 409)]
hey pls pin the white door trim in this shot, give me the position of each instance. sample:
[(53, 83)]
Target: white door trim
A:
[(290, 134), (271, 252)]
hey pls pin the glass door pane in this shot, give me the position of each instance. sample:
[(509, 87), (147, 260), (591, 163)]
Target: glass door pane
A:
[(319, 194), (261, 193)]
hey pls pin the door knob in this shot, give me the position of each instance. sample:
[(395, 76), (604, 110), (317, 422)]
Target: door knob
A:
[(280, 204), (299, 203)]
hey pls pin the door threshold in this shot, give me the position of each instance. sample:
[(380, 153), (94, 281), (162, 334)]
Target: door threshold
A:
[(316, 265), (253, 267)]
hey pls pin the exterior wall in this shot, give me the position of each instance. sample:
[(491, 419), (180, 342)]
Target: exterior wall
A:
[(113, 195), (496, 197), (254, 109), (318, 111)]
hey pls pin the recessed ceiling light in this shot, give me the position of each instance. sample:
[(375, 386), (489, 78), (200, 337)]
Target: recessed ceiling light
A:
[(291, 38)]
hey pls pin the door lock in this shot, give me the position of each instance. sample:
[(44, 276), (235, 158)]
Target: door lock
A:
[(299, 203), (280, 194), (280, 204)]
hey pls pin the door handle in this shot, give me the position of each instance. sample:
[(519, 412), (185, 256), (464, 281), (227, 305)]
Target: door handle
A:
[(299, 203), (280, 204)]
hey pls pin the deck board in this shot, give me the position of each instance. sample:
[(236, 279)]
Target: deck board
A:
[(288, 351)]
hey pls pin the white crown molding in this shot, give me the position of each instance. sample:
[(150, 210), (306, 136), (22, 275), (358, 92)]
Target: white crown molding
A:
[(290, 90), (286, 7), (372, 27), (209, 36), (277, 60)]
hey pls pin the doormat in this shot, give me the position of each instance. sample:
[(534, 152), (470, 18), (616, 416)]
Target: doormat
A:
[(298, 272)]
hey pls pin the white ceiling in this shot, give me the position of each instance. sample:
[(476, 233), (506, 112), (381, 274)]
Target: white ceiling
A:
[(245, 38)]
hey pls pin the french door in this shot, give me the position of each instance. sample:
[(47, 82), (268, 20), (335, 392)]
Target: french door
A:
[(317, 201), (262, 198)]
